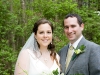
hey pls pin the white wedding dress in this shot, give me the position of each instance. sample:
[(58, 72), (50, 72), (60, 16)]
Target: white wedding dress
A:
[(37, 67)]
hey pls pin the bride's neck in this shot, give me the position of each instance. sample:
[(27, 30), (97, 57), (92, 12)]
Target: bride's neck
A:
[(44, 50)]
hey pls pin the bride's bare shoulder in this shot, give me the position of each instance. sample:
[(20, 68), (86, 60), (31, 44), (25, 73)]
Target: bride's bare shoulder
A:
[(58, 57)]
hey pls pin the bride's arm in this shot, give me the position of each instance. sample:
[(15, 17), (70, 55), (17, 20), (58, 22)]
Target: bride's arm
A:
[(22, 64)]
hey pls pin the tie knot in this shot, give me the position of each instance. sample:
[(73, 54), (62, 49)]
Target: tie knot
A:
[(71, 47)]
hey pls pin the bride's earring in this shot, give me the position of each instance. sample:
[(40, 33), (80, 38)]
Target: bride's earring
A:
[(51, 42)]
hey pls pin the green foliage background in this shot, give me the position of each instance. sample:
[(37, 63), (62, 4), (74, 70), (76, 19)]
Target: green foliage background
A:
[(16, 25)]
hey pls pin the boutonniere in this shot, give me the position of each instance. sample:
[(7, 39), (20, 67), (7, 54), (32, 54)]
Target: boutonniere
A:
[(78, 51)]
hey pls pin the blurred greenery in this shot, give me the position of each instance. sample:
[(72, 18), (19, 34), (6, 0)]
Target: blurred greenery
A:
[(17, 18)]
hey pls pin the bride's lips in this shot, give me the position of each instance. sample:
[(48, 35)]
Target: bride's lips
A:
[(45, 40)]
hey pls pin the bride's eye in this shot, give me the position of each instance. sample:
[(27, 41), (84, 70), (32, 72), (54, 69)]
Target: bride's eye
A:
[(41, 32), (49, 32)]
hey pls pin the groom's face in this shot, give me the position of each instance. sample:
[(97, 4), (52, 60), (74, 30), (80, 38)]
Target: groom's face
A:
[(72, 29)]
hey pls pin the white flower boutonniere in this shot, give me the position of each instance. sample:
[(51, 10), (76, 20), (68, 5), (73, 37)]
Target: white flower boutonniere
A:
[(79, 51)]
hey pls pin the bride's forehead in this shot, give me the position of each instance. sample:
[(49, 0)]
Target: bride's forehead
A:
[(44, 27)]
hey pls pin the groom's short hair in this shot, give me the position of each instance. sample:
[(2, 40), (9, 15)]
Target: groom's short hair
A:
[(79, 19)]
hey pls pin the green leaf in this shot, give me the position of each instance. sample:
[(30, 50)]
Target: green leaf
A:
[(55, 72), (82, 47)]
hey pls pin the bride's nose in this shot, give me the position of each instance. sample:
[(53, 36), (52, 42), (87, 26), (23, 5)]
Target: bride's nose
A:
[(45, 34)]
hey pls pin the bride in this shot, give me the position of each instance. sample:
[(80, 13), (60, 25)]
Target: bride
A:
[(38, 56)]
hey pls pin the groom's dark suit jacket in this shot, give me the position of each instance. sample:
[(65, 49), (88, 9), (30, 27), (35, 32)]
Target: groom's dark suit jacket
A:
[(87, 63)]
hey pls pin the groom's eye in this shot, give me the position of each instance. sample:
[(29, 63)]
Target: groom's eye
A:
[(73, 26)]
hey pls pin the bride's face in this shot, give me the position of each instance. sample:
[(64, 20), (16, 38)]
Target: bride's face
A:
[(44, 35)]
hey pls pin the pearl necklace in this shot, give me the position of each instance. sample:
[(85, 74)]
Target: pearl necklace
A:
[(46, 59)]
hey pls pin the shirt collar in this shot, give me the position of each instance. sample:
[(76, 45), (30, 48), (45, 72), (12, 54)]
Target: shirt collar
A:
[(76, 43)]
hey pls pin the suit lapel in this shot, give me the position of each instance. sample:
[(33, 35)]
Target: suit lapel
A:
[(70, 64)]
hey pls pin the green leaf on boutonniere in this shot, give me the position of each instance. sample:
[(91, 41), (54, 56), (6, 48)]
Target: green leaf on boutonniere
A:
[(82, 47), (78, 51), (73, 57)]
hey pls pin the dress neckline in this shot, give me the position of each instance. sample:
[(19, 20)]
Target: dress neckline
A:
[(37, 59), (46, 65)]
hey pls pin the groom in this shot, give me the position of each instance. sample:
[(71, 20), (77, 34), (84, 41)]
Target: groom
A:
[(87, 60)]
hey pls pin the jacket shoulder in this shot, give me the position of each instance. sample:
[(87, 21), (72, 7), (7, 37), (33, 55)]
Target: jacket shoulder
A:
[(63, 49)]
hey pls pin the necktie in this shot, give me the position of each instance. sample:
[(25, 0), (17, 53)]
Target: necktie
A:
[(69, 55)]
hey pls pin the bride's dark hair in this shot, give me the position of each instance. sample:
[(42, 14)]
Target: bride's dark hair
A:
[(51, 46)]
